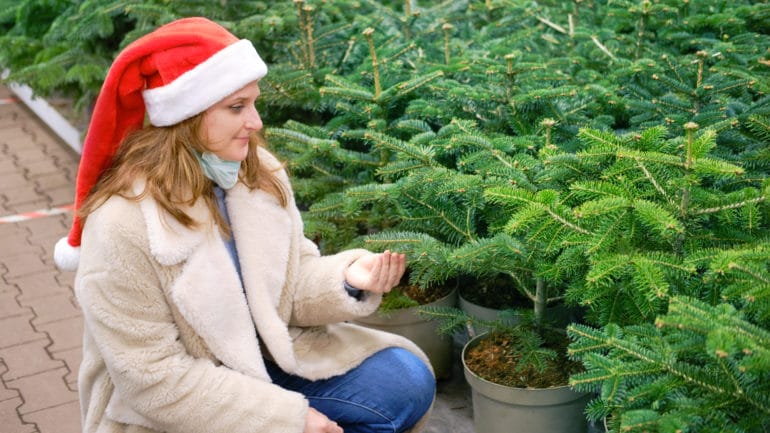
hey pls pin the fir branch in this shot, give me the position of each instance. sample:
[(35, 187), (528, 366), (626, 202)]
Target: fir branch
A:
[(604, 268), (640, 420), (699, 317), (341, 82), (678, 369), (653, 157), (601, 46), (450, 320), (358, 112), (607, 235), (667, 261), (505, 195), (523, 218), (296, 136), (332, 30), (400, 168), (603, 206), (370, 192), (464, 232), (596, 137), (347, 93), (657, 218), (498, 254), (608, 339), (757, 275), (414, 126), (654, 182), (591, 190), (407, 87), (395, 238), (552, 25), (715, 167), (287, 83), (732, 85), (566, 223), (737, 205), (677, 84), (322, 170), (478, 140), (677, 105), (329, 205), (422, 154), (544, 94), (759, 125)]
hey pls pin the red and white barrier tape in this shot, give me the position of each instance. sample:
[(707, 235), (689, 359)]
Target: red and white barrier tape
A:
[(25, 216)]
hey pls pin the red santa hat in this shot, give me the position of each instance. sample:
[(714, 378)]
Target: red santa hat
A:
[(169, 75)]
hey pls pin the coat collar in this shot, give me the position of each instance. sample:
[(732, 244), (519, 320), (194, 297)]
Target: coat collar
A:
[(264, 233), (170, 241), (208, 291)]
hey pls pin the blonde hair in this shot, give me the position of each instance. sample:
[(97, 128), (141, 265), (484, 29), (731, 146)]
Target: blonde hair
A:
[(164, 158)]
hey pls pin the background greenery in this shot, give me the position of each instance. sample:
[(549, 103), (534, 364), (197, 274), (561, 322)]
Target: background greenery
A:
[(610, 154)]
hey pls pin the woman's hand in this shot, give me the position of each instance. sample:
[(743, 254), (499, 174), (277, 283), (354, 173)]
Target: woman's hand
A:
[(316, 422), (376, 272)]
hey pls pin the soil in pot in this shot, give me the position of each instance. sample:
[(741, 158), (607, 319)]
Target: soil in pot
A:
[(498, 292), (411, 295), (399, 314), (497, 360), (498, 408)]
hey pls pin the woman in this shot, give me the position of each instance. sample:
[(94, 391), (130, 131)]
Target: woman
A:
[(205, 307)]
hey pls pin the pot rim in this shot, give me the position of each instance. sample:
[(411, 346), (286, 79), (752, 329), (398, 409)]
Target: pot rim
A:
[(473, 342), (406, 315)]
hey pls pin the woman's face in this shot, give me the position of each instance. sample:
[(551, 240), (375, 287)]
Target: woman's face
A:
[(228, 124)]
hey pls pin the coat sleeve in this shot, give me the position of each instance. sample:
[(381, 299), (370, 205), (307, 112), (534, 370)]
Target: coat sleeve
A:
[(320, 297), (126, 314)]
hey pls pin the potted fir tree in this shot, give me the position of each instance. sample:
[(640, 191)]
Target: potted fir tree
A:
[(518, 378), (343, 173), (427, 238), (638, 220), (518, 368), (679, 256), (454, 222), (399, 313)]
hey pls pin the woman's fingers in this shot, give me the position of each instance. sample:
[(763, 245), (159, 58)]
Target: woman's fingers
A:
[(383, 280), (400, 268), (396, 267), (395, 270), (377, 272), (317, 422)]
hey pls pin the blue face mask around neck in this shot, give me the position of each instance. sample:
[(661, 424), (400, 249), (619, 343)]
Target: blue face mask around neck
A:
[(223, 172)]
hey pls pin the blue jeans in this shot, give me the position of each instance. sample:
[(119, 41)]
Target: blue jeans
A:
[(389, 392)]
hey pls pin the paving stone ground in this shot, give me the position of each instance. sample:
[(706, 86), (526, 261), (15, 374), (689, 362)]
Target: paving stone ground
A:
[(40, 323)]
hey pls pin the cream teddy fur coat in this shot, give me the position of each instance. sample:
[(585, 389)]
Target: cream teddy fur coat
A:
[(174, 343)]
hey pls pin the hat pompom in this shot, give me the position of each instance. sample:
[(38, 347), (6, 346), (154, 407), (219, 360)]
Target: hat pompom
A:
[(65, 255)]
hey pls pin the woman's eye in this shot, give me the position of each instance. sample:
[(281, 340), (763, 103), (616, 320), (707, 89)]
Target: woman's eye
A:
[(236, 108)]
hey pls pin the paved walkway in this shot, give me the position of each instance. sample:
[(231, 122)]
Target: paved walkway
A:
[(40, 323)]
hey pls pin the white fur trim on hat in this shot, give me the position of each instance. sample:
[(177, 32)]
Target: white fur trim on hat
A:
[(65, 255), (225, 72)]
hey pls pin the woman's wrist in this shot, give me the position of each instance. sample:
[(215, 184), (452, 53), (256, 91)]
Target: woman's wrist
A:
[(356, 293)]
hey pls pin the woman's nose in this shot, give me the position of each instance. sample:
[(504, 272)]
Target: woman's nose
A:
[(253, 120)]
